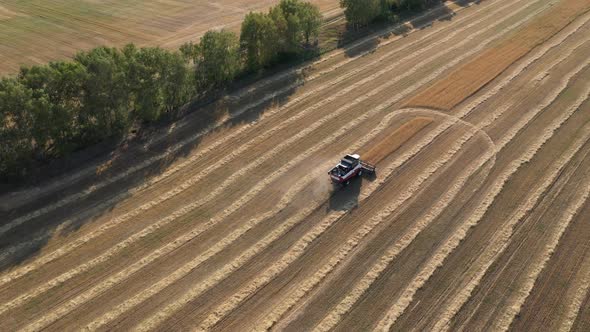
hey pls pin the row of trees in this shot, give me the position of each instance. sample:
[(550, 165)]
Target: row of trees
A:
[(363, 12), (288, 29), (51, 110)]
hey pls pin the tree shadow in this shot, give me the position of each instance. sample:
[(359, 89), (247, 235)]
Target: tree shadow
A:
[(26, 240)]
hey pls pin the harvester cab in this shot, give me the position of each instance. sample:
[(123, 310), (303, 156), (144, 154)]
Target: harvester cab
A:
[(349, 167)]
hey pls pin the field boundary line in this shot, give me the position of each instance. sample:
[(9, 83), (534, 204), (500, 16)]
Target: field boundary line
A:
[(446, 248)]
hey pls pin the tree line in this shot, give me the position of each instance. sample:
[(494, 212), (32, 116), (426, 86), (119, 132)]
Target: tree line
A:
[(49, 111), (52, 110)]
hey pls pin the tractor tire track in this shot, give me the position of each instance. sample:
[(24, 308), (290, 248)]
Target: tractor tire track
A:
[(514, 306)]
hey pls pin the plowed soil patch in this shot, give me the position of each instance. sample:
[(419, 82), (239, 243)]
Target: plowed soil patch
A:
[(395, 140), (468, 79)]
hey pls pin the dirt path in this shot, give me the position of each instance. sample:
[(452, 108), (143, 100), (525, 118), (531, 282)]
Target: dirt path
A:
[(466, 224)]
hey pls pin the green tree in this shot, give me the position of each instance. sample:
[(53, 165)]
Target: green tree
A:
[(177, 85), (413, 4), (145, 75), (259, 40), (17, 122), (61, 84), (361, 12), (157, 80), (297, 23), (106, 93), (293, 28), (220, 58), (311, 21), (281, 25), (190, 52)]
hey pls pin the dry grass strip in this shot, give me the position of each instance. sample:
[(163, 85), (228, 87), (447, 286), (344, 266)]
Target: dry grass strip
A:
[(534, 270), (445, 249), (581, 285), (468, 79)]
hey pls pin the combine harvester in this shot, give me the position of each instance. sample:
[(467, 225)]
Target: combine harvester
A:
[(352, 166), (349, 167)]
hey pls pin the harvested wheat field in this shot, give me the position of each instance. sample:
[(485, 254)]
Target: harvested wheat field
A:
[(477, 217), (36, 31)]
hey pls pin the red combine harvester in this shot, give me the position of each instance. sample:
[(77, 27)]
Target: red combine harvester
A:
[(350, 166)]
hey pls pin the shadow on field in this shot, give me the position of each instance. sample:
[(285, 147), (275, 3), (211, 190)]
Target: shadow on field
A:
[(30, 235), (345, 198)]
